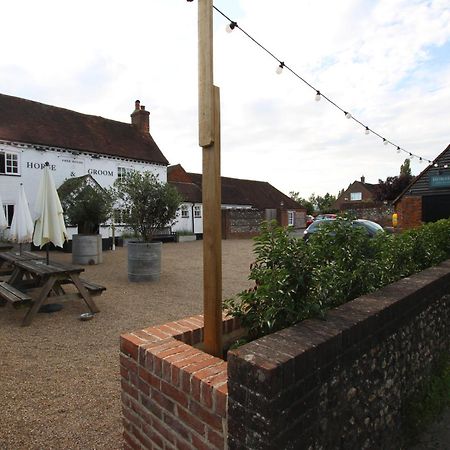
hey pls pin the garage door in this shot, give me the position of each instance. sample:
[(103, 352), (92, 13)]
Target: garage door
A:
[(435, 207)]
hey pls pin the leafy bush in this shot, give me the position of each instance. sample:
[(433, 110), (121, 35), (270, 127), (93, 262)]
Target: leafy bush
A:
[(295, 280)]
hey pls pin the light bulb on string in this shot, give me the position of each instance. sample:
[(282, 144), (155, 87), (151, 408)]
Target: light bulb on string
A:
[(230, 27), (318, 96), (385, 142), (398, 150), (411, 156), (367, 131), (445, 166), (436, 165), (280, 68), (420, 160), (347, 115)]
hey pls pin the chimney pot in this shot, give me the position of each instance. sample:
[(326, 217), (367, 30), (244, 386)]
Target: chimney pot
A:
[(140, 118), (363, 179)]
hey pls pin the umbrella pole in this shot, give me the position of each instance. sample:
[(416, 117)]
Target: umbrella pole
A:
[(46, 249), (20, 248)]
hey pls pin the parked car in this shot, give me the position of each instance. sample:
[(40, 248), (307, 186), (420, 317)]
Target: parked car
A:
[(372, 228), (326, 216), (309, 220)]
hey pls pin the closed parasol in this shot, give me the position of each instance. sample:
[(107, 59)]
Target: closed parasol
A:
[(22, 225), (49, 224), (3, 221)]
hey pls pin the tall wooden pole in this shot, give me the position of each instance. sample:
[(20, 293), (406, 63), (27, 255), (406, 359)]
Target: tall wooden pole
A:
[(209, 139)]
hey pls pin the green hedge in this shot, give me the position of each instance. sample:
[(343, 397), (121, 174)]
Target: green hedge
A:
[(295, 280)]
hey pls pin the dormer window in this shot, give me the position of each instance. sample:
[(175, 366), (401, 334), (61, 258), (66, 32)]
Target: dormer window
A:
[(354, 196)]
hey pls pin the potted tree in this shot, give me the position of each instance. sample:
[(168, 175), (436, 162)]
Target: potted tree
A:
[(148, 206), (87, 205)]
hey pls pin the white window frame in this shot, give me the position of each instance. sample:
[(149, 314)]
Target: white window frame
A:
[(12, 165), (6, 209), (355, 196), (123, 171), (197, 211), (291, 218), (184, 212)]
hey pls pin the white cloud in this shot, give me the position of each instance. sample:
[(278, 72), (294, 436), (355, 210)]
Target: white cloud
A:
[(380, 60)]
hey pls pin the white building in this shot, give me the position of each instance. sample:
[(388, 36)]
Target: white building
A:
[(74, 144)]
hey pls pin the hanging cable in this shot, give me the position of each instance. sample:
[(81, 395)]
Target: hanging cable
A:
[(232, 25)]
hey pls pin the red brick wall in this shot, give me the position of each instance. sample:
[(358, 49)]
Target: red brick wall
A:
[(173, 394), (409, 211)]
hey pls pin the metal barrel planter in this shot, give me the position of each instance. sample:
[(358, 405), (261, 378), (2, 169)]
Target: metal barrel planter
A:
[(144, 261), (87, 249)]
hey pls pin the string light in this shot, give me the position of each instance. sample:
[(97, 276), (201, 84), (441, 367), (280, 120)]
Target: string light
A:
[(280, 68), (232, 25)]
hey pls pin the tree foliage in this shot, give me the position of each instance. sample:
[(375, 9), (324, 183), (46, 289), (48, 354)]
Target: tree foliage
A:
[(390, 189), (148, 204), (85, 204), (315, 203)]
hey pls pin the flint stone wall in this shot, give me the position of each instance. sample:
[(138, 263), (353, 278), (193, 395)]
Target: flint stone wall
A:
[(341, 383)]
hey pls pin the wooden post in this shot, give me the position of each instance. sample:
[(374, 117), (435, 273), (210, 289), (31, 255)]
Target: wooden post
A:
[(209, 139), (212, 239), (205, 73)]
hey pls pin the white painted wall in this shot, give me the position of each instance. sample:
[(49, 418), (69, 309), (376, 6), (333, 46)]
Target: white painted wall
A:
[(185, 223), (63, 164)]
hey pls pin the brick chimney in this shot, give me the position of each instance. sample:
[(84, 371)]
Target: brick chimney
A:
[(140, 118), (363, 179)]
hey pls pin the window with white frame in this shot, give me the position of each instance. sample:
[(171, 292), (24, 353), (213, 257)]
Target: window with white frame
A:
[(122, 172), (184, 211), (197, 211), (355, 196), (291, 218), (9, 163), (9, 212)]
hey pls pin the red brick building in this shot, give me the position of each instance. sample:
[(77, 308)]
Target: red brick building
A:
[(427, 198)]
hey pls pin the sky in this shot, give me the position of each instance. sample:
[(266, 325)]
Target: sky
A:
[(387, 62)]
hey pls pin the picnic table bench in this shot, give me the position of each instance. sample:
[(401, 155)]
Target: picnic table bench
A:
[(48, 280), (11, 294)]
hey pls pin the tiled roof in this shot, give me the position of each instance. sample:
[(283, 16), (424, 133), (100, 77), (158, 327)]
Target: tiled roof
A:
[(31, 122), (190, 192), (258, 194)]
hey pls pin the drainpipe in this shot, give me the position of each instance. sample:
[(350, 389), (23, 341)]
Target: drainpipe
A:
[(192, 211)]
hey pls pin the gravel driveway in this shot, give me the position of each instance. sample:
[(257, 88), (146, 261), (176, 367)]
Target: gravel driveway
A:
[(59, 377)]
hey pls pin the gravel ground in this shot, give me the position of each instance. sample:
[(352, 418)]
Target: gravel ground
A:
[(59, 377)]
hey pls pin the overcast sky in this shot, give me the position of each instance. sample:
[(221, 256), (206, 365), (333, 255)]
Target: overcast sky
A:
[(387, 62)]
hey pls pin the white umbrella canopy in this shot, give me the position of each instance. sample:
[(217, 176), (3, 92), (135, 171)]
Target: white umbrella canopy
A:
[(49, 225), (3, 221), (22, 225)]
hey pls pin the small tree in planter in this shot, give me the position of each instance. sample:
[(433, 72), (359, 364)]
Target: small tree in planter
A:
[(149, 205), (87, 205)]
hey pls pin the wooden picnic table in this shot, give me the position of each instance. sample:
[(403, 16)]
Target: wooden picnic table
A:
[(48, 279), (9, 258)]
